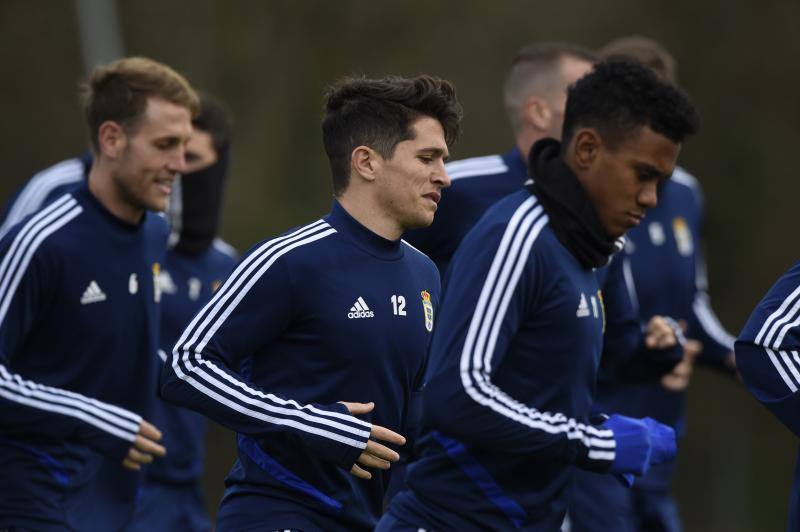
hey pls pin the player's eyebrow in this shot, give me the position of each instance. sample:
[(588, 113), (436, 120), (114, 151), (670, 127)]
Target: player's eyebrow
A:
[(651, 171), (435, 151)]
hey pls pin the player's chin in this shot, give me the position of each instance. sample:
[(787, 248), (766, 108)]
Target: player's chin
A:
[(157, 202), (420, 220)]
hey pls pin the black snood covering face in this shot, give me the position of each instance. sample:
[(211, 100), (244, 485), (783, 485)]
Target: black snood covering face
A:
[(195, 207)]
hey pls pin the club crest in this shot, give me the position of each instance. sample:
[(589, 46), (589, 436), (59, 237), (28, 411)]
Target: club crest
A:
[(427, 306)]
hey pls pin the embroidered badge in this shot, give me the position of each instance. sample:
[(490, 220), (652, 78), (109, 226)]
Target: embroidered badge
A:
[(156, 283), (683, 237), (427, 306)]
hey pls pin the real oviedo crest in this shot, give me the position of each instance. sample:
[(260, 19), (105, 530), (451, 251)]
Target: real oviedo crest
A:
[(427, 306)]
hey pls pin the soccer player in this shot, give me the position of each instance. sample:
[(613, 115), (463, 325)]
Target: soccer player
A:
[(665, 275), (767, 359), (510, 380), (196, 263), (337, 310), (535, 94), (78, 318)]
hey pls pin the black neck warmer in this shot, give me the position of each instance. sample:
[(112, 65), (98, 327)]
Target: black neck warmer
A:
[(572, 216), (195, 207)]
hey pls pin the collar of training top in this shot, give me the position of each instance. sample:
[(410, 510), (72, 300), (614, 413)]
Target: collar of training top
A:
[(572, 216), (370, 242)]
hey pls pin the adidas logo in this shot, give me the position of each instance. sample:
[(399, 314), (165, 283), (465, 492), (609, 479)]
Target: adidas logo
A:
[(92, 294), (583, 308), (360, 310)]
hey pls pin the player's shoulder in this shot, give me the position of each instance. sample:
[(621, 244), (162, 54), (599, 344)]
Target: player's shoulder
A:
[(682, 179), (36, 232), (156, 224), (300, 243), (224, 249), (476, 167), (419, 257), (514, 218), (778, 306)]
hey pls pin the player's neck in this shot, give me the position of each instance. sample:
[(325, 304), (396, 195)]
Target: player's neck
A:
[(102, 187), (367, 213)]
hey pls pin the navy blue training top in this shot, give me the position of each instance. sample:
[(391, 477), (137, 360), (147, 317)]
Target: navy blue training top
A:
[(768, 358), (510, 380), (328, 312), (78, 342)]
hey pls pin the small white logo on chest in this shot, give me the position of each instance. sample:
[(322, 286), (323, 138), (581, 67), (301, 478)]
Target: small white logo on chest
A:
[(360, 310), (583, 308), (133, 284), (92, 294), (166, 283)]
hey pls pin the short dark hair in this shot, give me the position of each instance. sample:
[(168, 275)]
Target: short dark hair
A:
[(535, 69), (618, 96), (645, 51), (119, 91), (378, 113), (214, 119)]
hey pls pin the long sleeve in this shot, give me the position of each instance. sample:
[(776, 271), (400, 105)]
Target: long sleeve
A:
[(27, 280), (768, 350), (704, 324), (481, 315), (252, 308)]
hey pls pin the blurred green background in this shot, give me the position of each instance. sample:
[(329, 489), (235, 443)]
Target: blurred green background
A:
[(270, 61)]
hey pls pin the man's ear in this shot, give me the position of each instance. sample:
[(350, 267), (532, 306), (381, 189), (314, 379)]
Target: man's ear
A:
[(112, 139), (537, 112), (365, 162), (585, 148)]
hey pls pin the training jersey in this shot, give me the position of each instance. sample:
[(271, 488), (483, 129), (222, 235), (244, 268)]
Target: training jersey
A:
[(187, 283), (78, 351), (767, 358), (510, 381), (325, 313), (664, 273)]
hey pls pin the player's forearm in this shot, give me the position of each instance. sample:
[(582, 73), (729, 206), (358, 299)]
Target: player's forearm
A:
[(215, 391), (28, 408), (485, 416)]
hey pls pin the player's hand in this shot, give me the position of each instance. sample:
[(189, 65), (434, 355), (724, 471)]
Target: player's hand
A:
[(678, 379), (659, 334), (375, 455), (144, 447)]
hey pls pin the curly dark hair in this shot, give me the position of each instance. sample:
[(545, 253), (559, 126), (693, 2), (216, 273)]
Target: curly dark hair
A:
[(378, 113), (619, 96)]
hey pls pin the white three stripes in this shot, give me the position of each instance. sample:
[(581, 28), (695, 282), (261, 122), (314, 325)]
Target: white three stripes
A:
[(772, 333), (190, 365), (39, 188), (109, 418), (476, 357)]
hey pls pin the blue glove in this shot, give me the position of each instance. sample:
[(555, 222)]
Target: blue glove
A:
[(632, 454), (662, 437), (640, 443)]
